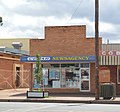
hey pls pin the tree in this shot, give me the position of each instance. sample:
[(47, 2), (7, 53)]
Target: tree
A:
[(38, 69)]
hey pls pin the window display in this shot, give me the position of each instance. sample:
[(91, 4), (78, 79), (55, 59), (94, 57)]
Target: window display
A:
[(85, 85), (84, 73), (63, 77), (54, 74), (56, 84), (45, 76), (72, 78), (84, 65), (67, 75), (85, 77)]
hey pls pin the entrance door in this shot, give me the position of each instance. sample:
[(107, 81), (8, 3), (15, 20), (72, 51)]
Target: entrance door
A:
[(84, 79), (17, 81)]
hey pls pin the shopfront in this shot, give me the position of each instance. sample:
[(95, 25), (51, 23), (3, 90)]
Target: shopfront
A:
[(110, 61), (68, 75), (68, 58), (64, 71)]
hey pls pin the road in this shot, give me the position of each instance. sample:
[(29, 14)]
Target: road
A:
[(57, 107)]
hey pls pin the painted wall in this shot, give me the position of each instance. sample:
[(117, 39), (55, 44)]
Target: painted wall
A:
[(8, 43)]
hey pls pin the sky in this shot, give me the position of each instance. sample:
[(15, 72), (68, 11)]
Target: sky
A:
[(28, 18)]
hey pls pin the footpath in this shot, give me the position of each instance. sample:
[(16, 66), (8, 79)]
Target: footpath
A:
[(19, 95)]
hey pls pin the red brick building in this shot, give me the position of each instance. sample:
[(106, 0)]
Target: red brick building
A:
[(71, 67), (13, 73), (110, 65)]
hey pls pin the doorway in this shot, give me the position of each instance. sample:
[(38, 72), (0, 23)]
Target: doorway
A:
[(17, 79), (85, 78)]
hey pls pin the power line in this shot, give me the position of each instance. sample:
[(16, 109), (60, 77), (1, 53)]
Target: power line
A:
[(75, 10)]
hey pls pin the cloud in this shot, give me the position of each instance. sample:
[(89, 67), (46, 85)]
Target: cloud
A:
[(109, 11), (27, 18)]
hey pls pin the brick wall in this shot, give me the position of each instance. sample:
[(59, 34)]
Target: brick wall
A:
[(63, 90), (64, 41), (7, 72), (113, 76), (92, 77)]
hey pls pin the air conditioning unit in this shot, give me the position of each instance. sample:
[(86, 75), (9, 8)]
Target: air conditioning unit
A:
[(17, 45)]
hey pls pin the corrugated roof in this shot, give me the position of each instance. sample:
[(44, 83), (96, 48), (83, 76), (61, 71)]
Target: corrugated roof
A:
[(13, 51), (109, 47)]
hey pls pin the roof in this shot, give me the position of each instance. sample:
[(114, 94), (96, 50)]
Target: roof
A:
[(110, 47), (7, 50)]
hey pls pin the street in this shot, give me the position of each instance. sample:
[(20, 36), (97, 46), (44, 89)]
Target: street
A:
[(56, 107)]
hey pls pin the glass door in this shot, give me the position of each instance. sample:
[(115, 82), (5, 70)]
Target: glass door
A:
[(72, 77), (85, 79)]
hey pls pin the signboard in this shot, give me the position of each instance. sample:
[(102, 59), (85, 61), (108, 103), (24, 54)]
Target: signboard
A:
[(58, 58), (110, 53), (33, 59)]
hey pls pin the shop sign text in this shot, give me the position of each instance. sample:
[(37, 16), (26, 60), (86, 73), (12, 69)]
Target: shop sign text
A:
[(57, 58), (110, 53)]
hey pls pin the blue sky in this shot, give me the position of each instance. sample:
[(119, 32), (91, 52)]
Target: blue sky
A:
[(27, 18)]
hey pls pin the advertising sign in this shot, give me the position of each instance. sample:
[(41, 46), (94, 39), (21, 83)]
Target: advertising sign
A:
[(58, 58), (110, 53)]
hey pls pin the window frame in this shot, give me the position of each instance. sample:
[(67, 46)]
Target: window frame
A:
[(118, 74)]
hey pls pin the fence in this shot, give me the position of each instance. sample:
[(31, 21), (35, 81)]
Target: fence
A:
[(11, 80)]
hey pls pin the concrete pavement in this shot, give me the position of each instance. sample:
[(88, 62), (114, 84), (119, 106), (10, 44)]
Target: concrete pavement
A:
[(19, 95)]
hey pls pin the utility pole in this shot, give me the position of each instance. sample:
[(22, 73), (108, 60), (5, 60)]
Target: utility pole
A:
[(1, 21), (97, 49)]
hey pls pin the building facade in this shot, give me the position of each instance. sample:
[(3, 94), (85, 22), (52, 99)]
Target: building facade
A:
[(8, 43), (67, 57), (110, 64), (13, 73)]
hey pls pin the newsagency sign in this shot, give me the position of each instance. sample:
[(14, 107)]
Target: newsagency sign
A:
[(58, 59)]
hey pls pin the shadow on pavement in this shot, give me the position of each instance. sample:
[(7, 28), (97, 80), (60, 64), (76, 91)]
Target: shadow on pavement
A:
[(62, 94)]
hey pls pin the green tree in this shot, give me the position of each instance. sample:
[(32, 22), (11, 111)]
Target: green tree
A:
[(38, 69)]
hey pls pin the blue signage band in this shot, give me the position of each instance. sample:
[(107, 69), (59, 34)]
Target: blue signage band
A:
[(58, 59)]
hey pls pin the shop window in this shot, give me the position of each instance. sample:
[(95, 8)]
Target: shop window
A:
[(85, 85), (46, 66), (45, 76), (63, 77), (84, 73), (85, 77), (70, 65), (55, 65), (54, 78), (72, 78), (118, 75), (54, 74), (76, 64), (84, 65), (67, 75)]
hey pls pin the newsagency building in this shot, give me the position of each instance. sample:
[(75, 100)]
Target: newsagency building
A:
[(67, 57)]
